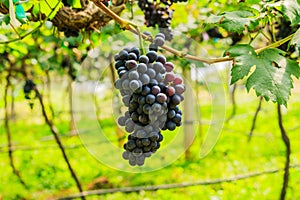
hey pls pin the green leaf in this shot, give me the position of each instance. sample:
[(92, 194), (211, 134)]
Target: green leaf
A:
[(271, 76), (233, 21), (291, 9), (5, 19), (20, 13), (242, 66), (76, 4), (296, 38)]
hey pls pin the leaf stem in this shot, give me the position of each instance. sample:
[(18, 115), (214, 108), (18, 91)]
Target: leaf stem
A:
[(276, 44)]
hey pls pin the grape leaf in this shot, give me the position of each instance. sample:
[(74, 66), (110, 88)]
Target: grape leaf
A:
[(291, 9), (234, 21), (296, 38), (271, 76), (5, 19), (20, 13)]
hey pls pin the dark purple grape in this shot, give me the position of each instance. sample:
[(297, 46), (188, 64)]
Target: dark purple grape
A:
[(152, 55), (132, 56), (177, 118), (150, 99), (146, 90), (159, 41), (146, 108), (171, 125), (176, 99), (162, 59), (143, 59), (123, 55), (119, 64), (153, 47), (122, 120), (171, 114), (131, 64), (155, 90)]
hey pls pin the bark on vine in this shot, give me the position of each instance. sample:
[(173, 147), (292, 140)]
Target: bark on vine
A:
[(287, 144), (8, 132)]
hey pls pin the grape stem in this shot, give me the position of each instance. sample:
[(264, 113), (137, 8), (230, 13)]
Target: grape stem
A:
[(127, 25)]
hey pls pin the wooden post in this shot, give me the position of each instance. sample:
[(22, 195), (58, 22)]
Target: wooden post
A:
[(188, 114)]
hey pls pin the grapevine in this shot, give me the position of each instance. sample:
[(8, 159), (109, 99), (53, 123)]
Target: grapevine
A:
[(152, 92)]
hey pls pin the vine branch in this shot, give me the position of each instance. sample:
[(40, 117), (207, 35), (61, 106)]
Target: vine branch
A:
[(57, 139), (8, 133), (255, 118), (286, 141), (124, 24), (172, 186)]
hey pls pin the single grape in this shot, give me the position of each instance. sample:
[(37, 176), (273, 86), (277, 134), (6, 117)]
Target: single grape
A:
[(125, 84), (153, 47), (132, 56), (169, 66), (179, 89), (151, 72), (176, 99), (161, 98), (136, 51), (161, 35), (169, 78), (131, 64), (178, 80), (162, 59), (133, 75), (177, 118), (146, 90), (146, 108), (158, 77), (152, 55), (130, 145), (123, 55), (145, 79), (155, 90), (142, 67), (119, 63), (143, 59), (159, 41), (171, 114), (171, 125), (125, 155), (121, 120), (170, 91)]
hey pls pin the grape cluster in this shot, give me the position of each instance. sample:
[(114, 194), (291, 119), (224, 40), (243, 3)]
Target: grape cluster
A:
[(158, 13), (152, 92), (28, 90)]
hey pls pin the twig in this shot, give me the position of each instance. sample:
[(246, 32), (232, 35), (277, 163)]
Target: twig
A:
[(174, 185), (8, 133), (124, 24), (286, 141), (255, 118), (57, 139)]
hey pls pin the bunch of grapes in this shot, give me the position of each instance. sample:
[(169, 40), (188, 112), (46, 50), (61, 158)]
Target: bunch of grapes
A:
[(28, 90), (158, 13), (152, 92)]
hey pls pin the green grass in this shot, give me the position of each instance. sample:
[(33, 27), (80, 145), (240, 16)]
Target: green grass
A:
[(45, 171)]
